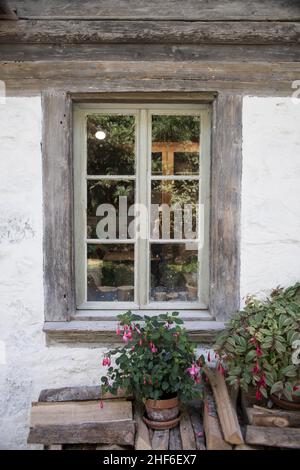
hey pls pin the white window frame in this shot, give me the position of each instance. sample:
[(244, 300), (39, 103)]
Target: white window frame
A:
[(143, 141)]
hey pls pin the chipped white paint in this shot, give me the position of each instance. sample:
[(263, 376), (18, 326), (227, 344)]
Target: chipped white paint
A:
[(270, 248)]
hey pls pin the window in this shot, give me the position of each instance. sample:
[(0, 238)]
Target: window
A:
[(141, 177)]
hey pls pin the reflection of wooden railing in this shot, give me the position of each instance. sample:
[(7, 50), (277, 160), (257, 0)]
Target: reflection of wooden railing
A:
[(167, 150)]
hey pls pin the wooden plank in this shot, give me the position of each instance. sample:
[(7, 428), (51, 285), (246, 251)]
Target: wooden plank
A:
[(157, 10), (226, 205), (227, 415), (175, 439), (160, 440), (280, 418), (148, 32), (104, 432), (273, 437), (6, 12), (196, 420), (43, 414), (83, 393), (142, 436), (54, 447), (244, 447), (187, 432), (58, 207), (213, 433)]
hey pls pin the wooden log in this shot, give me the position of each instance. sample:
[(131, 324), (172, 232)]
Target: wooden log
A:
[(290, 418), (175, 439), (82, 422), (142, 436), (187, 432), (213, 433), (84, 393), (160, 440), (196, 420), (227, 415), (259, 418), (273, 437)]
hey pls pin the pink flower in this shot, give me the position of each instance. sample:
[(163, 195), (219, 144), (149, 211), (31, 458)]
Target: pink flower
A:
[(221, 368), (197, 379), (258, 395), (127, 336), (193, 370), (118, 331), (138, 331), (258, 351), (256, 368), (106, 361), (101, 404), (295, 388), (153, 349), (252, 340), (140, 342), (145, 381), (125, 327), (132, 348)]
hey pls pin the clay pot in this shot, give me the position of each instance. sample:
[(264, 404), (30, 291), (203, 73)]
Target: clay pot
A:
[(125, 293), (192, 292), (162, 410), (286, 404)]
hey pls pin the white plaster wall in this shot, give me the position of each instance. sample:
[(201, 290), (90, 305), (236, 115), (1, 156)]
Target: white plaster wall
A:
[(270, 235), (26, 364)]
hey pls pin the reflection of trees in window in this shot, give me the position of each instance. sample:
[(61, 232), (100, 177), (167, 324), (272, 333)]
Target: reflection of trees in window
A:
[(114, 155), (175, 128)]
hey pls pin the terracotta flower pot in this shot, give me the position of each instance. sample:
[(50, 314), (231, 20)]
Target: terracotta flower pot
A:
[(162, 410)]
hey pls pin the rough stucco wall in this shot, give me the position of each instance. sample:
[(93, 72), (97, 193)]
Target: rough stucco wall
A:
[(270, 243), (26, 364)]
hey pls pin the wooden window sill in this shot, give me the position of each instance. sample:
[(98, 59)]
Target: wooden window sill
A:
[(93, 333)]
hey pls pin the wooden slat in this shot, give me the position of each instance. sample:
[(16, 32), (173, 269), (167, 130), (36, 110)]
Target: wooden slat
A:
[(273, 437), (213, 433), (187, 432), (82, 422), (43, 414), (175, 439), (150, 32), (227, 415), (196, 420), (6, 12), (156, 9), (58, 206), (225, 205), (142, 436), (279, 418), (84, 393), (160, 440)]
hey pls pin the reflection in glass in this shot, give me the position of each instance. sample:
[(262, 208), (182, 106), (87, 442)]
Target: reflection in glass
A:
[(110, 272), (174, 273), (115, 154), (175, 145), (183, 195), (109, 192)]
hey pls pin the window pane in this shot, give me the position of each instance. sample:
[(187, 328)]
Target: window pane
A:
[(116, 193), (174, 273), (175, 145), (182, 223), (110, 272), (114, 153)]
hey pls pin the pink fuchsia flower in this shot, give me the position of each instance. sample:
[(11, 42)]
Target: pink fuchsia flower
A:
[(256, 368), (193, 370), (127, 336), (106, 361), (137, 330), (258, 395), (221, 368), (258, 351), (252, 340), (295, 388), (262, 381), (154, 349), (118, 330), (145, 381), (140, 342)]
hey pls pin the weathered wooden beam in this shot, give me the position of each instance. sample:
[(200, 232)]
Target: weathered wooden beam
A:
[(82, 422), (227, 415), (6, 12), (151, 32), (160, 440), (58, 206), (260, 416), (226, 205), (273, 437), (142, 436), (83, 393), (195, 416), (213, 433), (157, 10), (187, 432), (175, 439)]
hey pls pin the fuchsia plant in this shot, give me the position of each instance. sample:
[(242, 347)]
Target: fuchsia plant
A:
[(157, 359)]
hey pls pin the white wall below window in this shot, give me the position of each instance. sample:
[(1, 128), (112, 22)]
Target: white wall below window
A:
[(270, 232), (270, 246)]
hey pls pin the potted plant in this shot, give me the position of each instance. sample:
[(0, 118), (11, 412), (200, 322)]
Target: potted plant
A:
[(156, 364), (261, 346)]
